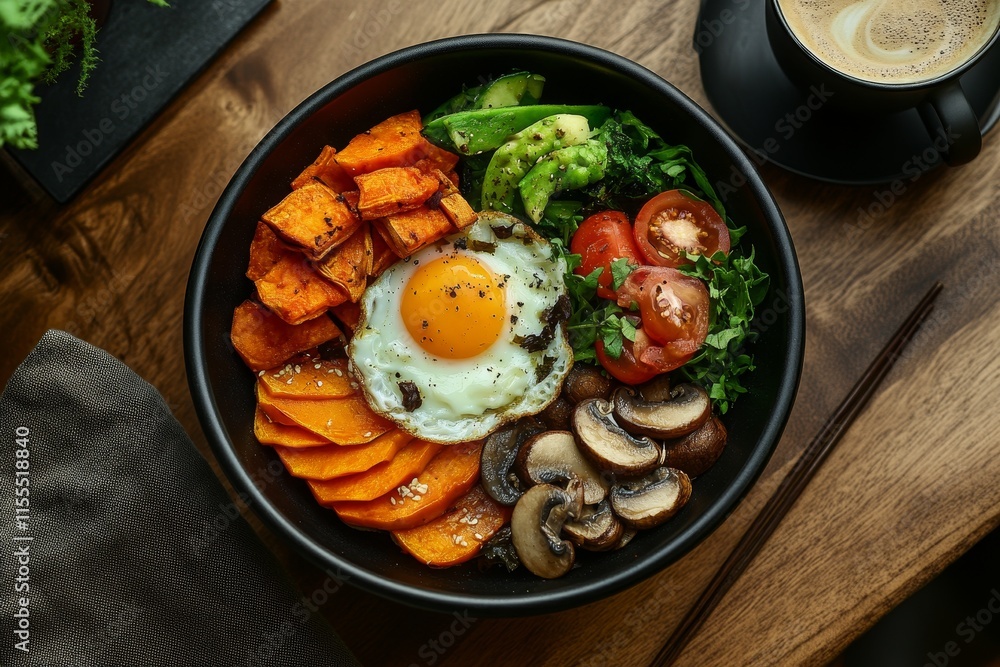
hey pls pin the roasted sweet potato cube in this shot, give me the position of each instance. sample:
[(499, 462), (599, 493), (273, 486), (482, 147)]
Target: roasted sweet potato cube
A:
[(296, 291), (314, 218), (325, 170), (440, 158), (348, 313), (393, 190), (264, 340), (348, 265), (265, 251), (410, 231), (395, 142), (458, 210), (383, 256)]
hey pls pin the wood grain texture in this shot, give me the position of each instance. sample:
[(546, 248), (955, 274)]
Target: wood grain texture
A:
[(911, 487)]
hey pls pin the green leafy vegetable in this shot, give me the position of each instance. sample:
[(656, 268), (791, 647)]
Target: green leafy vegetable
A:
[(735, 287), (641, 164), (37, 46)]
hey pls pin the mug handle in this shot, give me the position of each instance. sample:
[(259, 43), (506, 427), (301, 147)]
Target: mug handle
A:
[(947, 112)]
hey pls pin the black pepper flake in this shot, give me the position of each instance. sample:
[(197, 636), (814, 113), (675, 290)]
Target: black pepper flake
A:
[(503, 231), (423, 325), (482, 294), (513, 319), (452, 293), (411, 395), (482, 246), (461, 243), (434, 201), (544, 369)]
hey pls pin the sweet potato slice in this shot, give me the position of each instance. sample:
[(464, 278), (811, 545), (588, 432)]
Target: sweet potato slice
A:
[(348, 265), (392, 190), (458, 211), (342, 461), (296, 291), (448, 476), (265, 251), (344, 421), (408, 232), (320, 378), (381, 479), (270, 432), (264, 340), (383, 256), (439, 158), (314, 218), (325, 170), (457, 535), (395, 142), (348, 313)]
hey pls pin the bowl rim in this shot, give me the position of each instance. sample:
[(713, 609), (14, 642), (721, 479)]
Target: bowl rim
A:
[(538, 602)]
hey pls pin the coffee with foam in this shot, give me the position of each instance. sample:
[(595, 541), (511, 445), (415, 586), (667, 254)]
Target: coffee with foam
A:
[(893, 41)]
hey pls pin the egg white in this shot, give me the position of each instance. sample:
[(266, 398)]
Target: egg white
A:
[(466, 399)]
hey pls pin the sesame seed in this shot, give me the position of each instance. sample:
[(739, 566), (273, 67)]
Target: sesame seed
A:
[(318, 366), (330, 371), (329, 423), (298, 369), (368, 434), (261, 374), (289, 380), (319, 383), (392, 500), (339, 372), (416, 498), (414, 481), (478, 536), (473, 522)]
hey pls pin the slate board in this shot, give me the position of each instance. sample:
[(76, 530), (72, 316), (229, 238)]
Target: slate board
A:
[(148, 54)]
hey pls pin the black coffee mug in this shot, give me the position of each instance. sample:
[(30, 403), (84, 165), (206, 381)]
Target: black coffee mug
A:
[(941, 101)]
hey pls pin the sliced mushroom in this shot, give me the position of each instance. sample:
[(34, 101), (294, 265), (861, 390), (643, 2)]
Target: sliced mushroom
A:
[(498, 457), (585, 381), (651, 500), (608, 444), (553, 458), (537, 520), (597, 529), (696, 452), (657, 389), (627, 534), (688, 408), (558, 414)]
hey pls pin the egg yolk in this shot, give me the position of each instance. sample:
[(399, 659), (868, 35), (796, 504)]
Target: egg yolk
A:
[(454, 307)]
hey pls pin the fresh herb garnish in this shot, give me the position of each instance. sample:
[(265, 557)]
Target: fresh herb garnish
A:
[(735, 287), (641, 164)]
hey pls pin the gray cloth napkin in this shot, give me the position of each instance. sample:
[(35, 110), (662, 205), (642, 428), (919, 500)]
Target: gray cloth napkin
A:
[(105, 505)]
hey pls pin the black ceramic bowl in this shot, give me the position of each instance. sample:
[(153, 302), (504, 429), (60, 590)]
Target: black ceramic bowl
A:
[(421, 77)]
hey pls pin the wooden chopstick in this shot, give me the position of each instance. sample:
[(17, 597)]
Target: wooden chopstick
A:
[(794, 482)]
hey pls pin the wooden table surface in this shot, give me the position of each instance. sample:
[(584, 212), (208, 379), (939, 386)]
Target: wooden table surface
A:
[(913, 484)]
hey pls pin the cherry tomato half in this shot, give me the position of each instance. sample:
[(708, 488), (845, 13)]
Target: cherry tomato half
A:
[(675, 313), (601, 239), (671, 222), (626, 367)]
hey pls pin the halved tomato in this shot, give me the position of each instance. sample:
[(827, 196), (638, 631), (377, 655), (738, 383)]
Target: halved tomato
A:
[(601, 239), (672, 222), (626, 367), (675, 315)]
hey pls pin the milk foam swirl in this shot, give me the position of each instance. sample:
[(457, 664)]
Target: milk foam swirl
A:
[(893, 41)]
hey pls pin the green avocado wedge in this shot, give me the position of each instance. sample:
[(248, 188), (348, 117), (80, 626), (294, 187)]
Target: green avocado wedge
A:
[(482, 130), (519, 153), (567, 168)]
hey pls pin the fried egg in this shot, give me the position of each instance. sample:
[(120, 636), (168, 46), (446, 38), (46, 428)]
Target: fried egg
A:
[(466, 334)]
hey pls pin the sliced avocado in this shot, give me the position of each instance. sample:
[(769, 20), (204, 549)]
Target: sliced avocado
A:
[(472, 132), (509, 90), (563, 169), (518, 155)]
